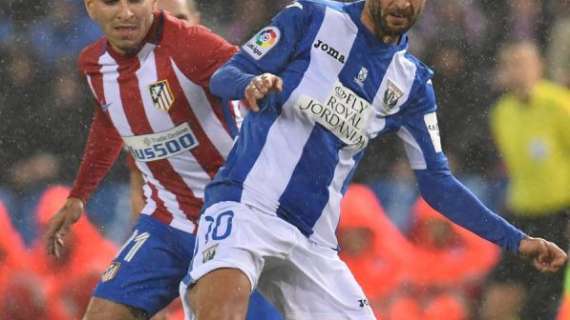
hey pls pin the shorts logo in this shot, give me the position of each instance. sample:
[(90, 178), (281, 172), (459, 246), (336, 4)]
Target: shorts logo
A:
[(161, 95), (262, 42), (111, 272), (362, 302), (391, 96), (209, 253)]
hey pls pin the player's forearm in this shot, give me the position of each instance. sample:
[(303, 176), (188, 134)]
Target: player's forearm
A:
[(230, 81), (448, 196)]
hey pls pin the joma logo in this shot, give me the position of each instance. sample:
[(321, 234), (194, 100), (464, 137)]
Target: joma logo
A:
[(329, 50)]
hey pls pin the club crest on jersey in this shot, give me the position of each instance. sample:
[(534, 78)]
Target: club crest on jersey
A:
[(209, 253), (111, 272), (161, 95), (391, 96), (361, 77)]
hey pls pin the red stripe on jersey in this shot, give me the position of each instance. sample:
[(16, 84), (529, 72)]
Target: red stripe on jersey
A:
[(205, 153), (218, 110), (160, 213), (162, 170)]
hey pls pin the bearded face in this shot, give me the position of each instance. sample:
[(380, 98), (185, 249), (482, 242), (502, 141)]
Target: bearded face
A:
[(394, 17)]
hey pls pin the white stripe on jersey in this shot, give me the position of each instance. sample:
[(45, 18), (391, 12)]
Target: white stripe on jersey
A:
[(150, 205), (110, 73), (281, 136), (158, 119), (413, 150), (207, 118)]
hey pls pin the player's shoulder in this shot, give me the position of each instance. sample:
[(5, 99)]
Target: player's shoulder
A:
[(422, 94), (90, 55), (423, 72), (320, 4), (175, 29)]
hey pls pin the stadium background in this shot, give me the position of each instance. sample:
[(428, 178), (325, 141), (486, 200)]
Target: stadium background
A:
[(45, 108)]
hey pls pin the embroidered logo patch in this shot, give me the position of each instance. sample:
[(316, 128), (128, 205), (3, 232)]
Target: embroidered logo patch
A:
[(361, 77), (209, 253), (111, 272), (391, 96), (262, 42), (161, 95)]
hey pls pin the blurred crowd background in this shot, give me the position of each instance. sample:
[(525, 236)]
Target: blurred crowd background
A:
[(46, 109)]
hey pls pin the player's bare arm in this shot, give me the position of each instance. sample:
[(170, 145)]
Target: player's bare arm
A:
[(260, 86)]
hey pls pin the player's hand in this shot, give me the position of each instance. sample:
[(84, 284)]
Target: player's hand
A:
[(260, 86), (60, 224), (545, 255)]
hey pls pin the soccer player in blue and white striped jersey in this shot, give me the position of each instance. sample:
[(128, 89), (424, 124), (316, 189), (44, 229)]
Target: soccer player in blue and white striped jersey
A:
[(325, 78)]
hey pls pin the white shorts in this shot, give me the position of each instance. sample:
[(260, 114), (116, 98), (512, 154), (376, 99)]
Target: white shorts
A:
[(302, 279)]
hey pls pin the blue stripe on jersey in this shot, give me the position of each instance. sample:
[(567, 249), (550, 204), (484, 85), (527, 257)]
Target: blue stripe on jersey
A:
[(229, 118), (303, 207), (253, 133)]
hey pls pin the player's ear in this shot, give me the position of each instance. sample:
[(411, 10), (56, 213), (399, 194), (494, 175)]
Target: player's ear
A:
[(89, 8), (154, 5)]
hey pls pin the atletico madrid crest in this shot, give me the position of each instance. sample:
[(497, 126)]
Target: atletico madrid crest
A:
[(111, 272), (161, 95)]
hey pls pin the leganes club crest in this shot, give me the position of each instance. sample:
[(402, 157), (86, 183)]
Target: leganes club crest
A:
[(391, 96), (161, 95)]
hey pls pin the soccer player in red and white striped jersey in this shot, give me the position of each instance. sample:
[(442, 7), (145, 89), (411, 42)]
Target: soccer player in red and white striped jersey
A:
[(149, 75)]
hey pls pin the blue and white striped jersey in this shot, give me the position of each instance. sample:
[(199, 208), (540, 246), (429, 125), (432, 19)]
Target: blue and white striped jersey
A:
[(342, 88)]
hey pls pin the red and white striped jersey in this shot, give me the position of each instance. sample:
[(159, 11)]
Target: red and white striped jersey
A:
[(156, 103)]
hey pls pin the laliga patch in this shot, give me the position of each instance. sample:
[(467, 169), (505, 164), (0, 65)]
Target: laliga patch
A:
[(111, 272), (391, 96), (431, 123), (262, 42)]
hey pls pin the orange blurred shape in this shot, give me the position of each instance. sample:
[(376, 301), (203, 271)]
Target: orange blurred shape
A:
[(404, 308), (445, 307)]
